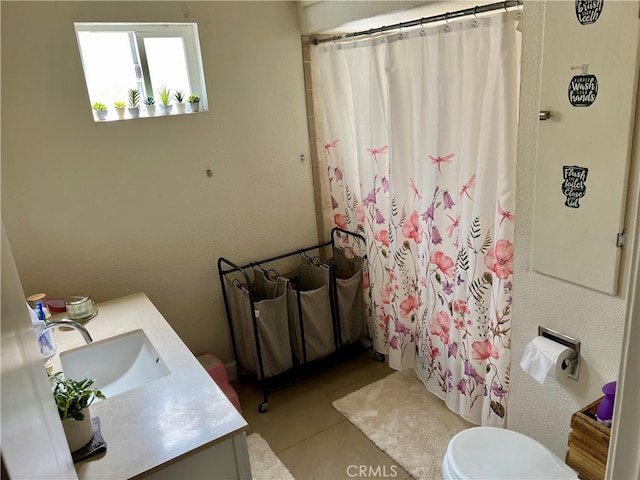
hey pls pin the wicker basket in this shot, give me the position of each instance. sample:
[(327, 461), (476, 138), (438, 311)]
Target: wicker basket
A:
[(588, 444)]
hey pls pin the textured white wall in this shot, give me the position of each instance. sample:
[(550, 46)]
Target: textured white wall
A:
[(115, 208), (544, 412)]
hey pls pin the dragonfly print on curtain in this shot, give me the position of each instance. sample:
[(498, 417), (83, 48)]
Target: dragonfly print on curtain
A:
[(419, 136)]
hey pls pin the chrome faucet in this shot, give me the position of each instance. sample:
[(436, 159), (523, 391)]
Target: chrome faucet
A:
[(72, 324)]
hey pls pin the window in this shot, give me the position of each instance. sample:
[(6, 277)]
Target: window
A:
[(146, 57)]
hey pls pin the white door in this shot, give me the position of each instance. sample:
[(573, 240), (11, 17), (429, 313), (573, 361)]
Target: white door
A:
[(588, 83)]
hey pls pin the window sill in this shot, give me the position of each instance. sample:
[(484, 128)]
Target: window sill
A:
[(113, 116)]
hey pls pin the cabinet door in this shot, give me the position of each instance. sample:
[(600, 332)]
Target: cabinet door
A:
[(588, 83)]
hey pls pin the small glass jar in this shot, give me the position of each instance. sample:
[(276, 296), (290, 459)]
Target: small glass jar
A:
[(79, 307)]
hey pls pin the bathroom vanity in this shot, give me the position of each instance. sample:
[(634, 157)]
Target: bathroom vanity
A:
[(178, 426)]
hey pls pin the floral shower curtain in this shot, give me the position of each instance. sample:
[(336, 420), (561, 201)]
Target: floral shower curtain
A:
[(419, 135)]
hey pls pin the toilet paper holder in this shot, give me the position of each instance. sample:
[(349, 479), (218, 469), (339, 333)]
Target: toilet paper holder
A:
[(567, 341)]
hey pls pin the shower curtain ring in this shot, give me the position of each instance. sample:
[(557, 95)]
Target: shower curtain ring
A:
[(475, 23), (447, 27)]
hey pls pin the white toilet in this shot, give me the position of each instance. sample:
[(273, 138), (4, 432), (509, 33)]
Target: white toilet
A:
[(489, 453)]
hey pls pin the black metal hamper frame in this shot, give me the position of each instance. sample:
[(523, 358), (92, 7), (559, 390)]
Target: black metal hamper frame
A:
[(301, 368)]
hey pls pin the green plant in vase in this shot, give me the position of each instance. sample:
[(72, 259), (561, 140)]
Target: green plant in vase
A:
[(194, 102), (179, 98), (101, 110), (133, 97), (165, 97), (150, 104), (119, 106), (73, 399)]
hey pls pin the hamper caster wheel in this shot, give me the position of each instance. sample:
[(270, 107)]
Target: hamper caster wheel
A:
[(379, 356), (263, 407)]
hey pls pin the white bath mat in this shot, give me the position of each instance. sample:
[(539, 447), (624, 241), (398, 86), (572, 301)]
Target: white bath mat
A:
[(265, 465), (407, 422)]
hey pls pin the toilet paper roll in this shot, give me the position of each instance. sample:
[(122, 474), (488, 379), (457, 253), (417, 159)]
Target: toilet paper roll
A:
[(543, 357)]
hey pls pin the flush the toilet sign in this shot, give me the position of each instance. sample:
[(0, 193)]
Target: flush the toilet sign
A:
[(583, 88), (573, 184), (588, 11)]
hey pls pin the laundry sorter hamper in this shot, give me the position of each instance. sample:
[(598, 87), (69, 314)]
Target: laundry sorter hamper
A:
[(282, 325)]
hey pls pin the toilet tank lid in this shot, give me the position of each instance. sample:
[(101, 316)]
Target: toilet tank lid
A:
[(496, 453)]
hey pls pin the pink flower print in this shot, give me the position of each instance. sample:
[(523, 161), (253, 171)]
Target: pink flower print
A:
[(436, 238), (408, 305), (369, 199), (375, 151), (453, 350), (462, 386), (400, 328), (393, 343), (440, 325), (386, 293), (454, 224), (385, 185), (461, 306), (443, 262), (334, 203), (360, 213), (338, 174), (382, 236), (412, 228), (500, 259), (365, 281), (505, 215), (379, 217), (329, 146), (392, 274), (484, 350), (439, 160), (447, 200), (470, 184), (429, 214), (415, 189), (340, 220)]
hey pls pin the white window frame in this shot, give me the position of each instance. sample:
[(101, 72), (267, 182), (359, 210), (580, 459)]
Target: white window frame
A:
[(138, 32)]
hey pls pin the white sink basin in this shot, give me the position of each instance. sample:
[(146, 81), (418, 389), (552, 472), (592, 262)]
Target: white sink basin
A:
[(117, 364)]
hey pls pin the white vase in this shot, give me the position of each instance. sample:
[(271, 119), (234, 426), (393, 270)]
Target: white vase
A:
[(134, 112), (151, 110), (101, 114), (194, 106), (120, 112), (78, 432), (166, 109), (180, 107)]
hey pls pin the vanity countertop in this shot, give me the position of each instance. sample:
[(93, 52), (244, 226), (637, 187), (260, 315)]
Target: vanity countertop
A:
[(157, 423)]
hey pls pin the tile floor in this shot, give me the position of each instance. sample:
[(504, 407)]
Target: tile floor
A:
[(309, 436)]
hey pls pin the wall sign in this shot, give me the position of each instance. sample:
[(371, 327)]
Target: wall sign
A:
[(583, 89), (573, 184), (588, 11)]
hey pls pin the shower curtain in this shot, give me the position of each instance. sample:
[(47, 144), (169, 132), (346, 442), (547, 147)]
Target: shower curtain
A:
[(419, 134)]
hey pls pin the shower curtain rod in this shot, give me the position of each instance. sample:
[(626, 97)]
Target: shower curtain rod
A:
[(444, 17)]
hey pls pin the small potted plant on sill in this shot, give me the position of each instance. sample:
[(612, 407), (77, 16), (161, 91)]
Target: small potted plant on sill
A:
[(179, 97), (194, 102), (165, 97), (119, 106), (73, 399), (101, 110), (150, 103), (134, 103)]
